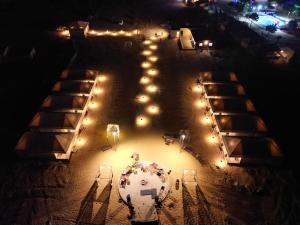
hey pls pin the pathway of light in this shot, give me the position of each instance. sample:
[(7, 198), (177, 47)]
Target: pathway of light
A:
[(197, 89), (153, 47), (147, 42), (200, 103), (152, 72), (102, 78), (146, 52), (151, 88), (146, 65)]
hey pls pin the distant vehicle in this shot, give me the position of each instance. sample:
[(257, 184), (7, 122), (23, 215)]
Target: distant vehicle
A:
[(271, 28), (253, 16)]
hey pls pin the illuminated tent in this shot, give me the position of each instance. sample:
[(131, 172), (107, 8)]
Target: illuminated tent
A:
[(240, 125), (65, 103), (79, 75), (56, 122), (245, 149), (46, 145), (73, 87), (231, 105), (217, 77), (224, 90)]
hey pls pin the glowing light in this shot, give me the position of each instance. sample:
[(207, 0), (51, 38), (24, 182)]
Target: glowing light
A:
[(145, 80), (147, 42), (141, 121), (206, 120), (146, 52), (145, 65), (206, 42), (93, 32), (153, 109), (197, 89), (143, 99), (151, 88), (87, 121), (107, 32), (121, 32), (98, 91), (128, 34), (153, 38), (221, 163), (153, 58), (212, 139), (200, 103), (114, 34), (65, 33), (153, 47), (93, 105), (80, 142), (152, 72), (102, 78), (99, 33)]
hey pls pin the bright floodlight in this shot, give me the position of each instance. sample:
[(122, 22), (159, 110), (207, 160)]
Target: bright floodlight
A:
[(221, 163), (153, 109), (87, 121), (80, 141), (141, 121), (212, 139), (145, 65), (143, 98), (153, 58), (145, 80), (152, 72), (146, 52), (98, 90), (151, 88)]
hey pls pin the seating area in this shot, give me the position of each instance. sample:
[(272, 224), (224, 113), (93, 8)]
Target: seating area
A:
[(242, 134), (54, 130)]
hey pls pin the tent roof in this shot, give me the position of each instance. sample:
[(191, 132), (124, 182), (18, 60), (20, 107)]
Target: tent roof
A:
[(218, 77), (52, 120), (232, 105), (240, 123), (227, 89), (62, 102), (260, 147), (79, 74), (72, 87), (36, 143)]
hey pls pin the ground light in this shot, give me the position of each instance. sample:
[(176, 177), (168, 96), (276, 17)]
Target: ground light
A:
[(212, 139), (147, 42), (146, 52), (153, 58), (206, 120), (87, 121), (80, 142), (113, 131), (98, 91), (151, 88), (200, 103), (102, 78), (152, 72), (93, 105), (221, 163), (153, 47), (197, 89), (145, 80), (153, 109), (141, 121), (143, 98), (145, 65)]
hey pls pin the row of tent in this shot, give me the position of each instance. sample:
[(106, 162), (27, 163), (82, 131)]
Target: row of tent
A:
[(243, 135), (55, 129)]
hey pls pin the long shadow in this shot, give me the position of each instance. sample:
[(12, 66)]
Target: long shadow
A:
[(187, 203), (205, 215)]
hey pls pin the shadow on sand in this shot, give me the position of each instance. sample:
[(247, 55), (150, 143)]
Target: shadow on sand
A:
[(93, 208)]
